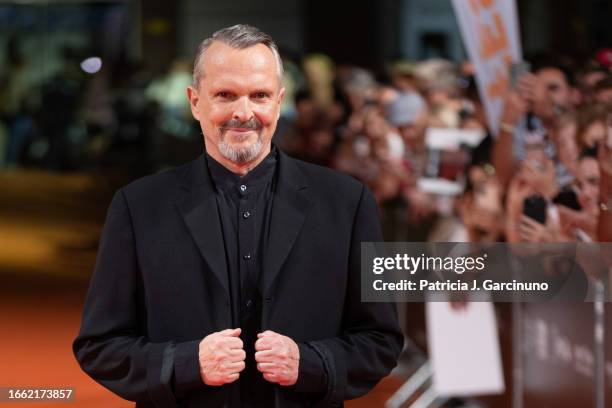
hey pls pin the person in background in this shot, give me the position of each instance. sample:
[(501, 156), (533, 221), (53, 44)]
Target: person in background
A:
[(581, 224), (531, 111), (587, 78), (603, 90), (591, 125)]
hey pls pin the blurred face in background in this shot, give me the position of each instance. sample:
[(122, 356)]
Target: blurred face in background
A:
[(404, 82), (481, 208), (535, 154), (590, 79), (604, 95), (481, 215), (587, 181), (375, 125), (438, 97), (237, 102), (587, 84), (594, 133), (413, 133), (558, 90)]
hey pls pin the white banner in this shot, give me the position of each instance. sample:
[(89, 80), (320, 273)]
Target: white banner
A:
[(490, 33), (464, 349)]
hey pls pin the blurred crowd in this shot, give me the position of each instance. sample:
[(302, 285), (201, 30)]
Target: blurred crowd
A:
[(416, 134), (406, 134), (94, 114)]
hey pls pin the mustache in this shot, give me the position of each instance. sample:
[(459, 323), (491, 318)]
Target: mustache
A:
[(251, 124)]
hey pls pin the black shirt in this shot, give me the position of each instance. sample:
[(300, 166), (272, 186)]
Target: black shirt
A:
[(245, 204)]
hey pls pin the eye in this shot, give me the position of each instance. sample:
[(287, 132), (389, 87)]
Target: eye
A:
[(223, 94), (260, 95)]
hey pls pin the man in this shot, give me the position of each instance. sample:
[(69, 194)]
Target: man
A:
[(233, 281), (587, 78), (547, 94)]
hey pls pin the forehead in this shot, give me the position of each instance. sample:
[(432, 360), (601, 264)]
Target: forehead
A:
[(597, 126), (589, 166), (223, 62), (551, 74)]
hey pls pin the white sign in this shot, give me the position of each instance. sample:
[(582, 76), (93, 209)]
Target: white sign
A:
[(490, 33), (452, 139), (464, 349)]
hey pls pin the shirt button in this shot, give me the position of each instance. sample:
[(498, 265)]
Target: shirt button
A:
[(247, 256), (246, 214), (243, 188)]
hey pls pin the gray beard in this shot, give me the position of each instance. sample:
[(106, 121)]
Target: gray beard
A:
[(240, 155)]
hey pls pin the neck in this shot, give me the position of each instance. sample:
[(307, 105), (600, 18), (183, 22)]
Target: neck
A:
[(239, 168)]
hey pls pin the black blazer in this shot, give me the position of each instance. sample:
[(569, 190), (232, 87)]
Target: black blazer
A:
[(160, 285)]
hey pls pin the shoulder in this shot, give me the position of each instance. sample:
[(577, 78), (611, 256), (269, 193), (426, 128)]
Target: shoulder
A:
[(329, 184), (163, 185), (324, 176)]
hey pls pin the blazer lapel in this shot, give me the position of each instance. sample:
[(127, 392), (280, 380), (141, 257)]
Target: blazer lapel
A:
[(198, 206), (290, 207)]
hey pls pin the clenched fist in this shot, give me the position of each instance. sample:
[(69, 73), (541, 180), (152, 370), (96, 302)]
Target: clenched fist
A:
[(277, 357), (221, 357)]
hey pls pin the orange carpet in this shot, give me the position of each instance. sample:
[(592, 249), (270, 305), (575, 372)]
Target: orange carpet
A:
[(38, 326), (49, 226)]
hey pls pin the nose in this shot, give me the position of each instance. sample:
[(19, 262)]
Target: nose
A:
[(242, 109)]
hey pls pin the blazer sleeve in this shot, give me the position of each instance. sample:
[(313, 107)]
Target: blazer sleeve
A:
[(370, 341), (111, 346)]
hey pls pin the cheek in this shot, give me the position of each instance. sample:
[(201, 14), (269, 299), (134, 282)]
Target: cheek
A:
[(593, 192), (561, 95), (216, 115), (266, 114), (592, 139)]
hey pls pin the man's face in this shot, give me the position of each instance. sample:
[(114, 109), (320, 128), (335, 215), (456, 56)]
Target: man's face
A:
[(557, 89), (237, 102)]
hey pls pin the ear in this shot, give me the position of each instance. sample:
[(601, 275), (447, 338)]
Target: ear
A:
[(193, 97), (279, 101), (281, 95)]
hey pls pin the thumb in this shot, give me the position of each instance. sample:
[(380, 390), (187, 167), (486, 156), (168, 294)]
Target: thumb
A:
[(265, 333)]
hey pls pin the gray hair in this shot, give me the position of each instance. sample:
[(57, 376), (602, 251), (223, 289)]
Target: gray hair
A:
[(239, 36)]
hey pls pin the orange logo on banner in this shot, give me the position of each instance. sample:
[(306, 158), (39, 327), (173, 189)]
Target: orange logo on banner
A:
[(497, 88), (493, 42), (483, 4), (491, 47)]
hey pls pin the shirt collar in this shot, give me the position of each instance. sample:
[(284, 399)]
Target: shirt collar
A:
[(226, 180)]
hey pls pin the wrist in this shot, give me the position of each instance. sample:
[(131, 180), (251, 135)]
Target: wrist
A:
[(507, 126), (605, 205), (295, 354)]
